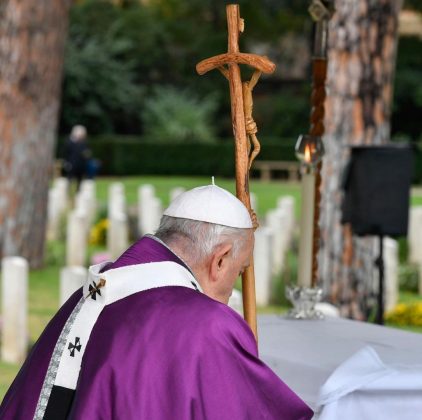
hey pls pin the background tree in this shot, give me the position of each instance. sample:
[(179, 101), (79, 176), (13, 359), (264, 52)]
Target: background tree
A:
[(363, 40), (32, 36), (101, 88), (119, 52)]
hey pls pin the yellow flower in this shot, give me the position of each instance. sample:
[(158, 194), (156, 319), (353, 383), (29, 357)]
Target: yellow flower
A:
[(98, 233), (406, 314)]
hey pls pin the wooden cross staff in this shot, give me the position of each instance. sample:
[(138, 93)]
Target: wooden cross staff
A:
[(243, 128)]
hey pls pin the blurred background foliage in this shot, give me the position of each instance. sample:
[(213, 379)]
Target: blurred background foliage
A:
[(119, 52), (174, 115), (130, 70)]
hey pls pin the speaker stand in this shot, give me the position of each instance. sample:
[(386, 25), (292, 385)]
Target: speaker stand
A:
[(379, 262)]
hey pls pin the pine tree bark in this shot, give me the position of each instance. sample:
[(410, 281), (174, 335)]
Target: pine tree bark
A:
[(32, 38), (362, 52)]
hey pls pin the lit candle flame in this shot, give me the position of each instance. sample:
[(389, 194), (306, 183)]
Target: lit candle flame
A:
[(307, 154)]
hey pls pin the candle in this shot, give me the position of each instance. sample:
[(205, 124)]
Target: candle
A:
[(306, 223)]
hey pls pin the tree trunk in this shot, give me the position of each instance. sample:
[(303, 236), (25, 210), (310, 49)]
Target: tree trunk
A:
[(32, 37), (362, 51)]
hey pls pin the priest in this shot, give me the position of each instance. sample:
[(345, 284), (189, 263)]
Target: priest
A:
[(150, 335)]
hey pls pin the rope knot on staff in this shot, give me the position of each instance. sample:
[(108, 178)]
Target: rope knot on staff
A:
[(251, 127), (254, 219), (247, 145)]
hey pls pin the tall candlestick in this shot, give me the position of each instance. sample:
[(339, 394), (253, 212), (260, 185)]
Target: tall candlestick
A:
[(306, 229)]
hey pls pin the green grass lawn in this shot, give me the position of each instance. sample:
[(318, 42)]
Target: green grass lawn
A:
[(267, 192), (7, 374), (43, 284), (416, 200)]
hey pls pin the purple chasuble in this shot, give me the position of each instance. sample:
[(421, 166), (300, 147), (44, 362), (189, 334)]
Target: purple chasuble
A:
[(161, 354)]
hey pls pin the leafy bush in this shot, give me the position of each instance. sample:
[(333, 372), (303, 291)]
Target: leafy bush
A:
[(55, 254), (409, 277), (407, 104), (100, 89), (98, 86), (403, 250), (285, 113), (179, 116)]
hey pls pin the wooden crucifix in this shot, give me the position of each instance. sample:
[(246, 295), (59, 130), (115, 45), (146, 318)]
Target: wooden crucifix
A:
[(244, 128)]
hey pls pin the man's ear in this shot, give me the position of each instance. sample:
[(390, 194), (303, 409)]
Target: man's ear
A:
[(219, 261)]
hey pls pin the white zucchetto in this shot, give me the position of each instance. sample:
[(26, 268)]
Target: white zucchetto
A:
[(211, 204)]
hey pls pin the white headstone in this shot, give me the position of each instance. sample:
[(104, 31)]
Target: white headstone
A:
[(116, 187), (263, 265), (415, 234), (57, 206), (254, 202), (62, 186), (71, 279), (287, 204), (236, 302), (277, 221), (54, 213), (76, 240), (391, 273), (88, 195), (116, 199), (146, 195), (117, 235), (88, 185), (157, 212), (82, 205), (175, 192), (14, 341)]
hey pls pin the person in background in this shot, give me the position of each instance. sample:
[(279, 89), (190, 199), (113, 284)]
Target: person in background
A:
[(76, 155)]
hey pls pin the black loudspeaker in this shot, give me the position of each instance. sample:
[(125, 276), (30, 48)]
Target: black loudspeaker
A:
[(377, 189), (377, 194)]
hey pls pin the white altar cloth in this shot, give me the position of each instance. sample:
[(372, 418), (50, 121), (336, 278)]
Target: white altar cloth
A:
[(305, 354)]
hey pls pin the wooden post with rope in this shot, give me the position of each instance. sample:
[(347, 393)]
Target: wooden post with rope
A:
[(244, 128)]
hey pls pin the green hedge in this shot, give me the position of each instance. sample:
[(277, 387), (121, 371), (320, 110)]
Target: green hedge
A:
[(131, 156), (417, 168)]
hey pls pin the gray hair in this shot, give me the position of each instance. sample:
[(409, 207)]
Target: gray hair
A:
[(200, 238), (78, 132)]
